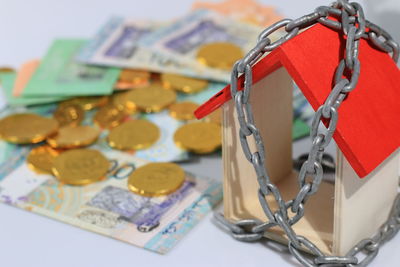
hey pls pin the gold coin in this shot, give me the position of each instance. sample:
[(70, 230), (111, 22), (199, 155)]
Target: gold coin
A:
[(41, 159), (109, 116), (87, 102), (215, 116), (6, 69), (156, 179), (199, 137), (135, 134), (73, 137), (120, 100), (219, 55), (183, 84), (71, 114), (80, 166), (134, 76), (27, 128), (153, 98), (183, 110)]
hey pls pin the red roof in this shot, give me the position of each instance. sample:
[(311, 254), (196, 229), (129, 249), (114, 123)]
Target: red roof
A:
[(368, 130)]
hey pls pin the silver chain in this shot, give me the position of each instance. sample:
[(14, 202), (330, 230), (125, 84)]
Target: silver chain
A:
[(352, 23)]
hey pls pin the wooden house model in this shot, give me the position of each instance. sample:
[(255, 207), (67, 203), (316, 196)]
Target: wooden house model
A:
[(367, 137)]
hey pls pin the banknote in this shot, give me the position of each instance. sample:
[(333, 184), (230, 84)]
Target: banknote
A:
[(250, 11), (7, 81), (24, 75), (60, 75), (108, 207), (183, 38), (116, 44)]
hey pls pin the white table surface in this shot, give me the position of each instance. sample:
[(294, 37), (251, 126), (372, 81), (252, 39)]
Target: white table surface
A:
[(26, 30)]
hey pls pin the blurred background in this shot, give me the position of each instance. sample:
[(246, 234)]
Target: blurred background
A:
[(28, 27)]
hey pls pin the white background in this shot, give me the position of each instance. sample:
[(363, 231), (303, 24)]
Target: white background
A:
[(27, 28)]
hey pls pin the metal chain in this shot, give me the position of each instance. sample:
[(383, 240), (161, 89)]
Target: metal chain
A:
[(350, 21)]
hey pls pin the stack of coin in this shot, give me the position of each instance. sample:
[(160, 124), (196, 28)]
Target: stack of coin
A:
[(41, 159), (133, 135), (27, 128), (183, 110), (130, 79), (80, 166), (69, 114), (87, 102), (183, 84), (199, 137), (109, 116), (73, 136), (156, 179), (220, 55), (153, 98)]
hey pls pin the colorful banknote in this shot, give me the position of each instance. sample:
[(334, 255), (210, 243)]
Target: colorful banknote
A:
[(183, 38), (250, 11), (108, 207), (7, 81), (60, 75), (116, 44)]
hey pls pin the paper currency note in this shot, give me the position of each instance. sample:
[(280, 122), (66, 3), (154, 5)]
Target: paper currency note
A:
[(7, 81), (250, 11), (24, 75), (107, 207), (116, 44), (183, 38), (60, 75)]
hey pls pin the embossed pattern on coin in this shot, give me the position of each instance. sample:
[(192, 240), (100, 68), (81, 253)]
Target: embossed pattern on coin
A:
[(73, 137), (120, 100), (71, 114), (156, 179), (183, 110), (199, 137), (87, 102), (220, 55), (41, 159), (27, 128), (80, 166), (109, 116), (135, 134), (183, 84), (153, 98)]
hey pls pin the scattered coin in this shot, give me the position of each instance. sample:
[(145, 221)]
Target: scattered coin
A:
[(120, 100), (156, 179), (153, 98), (220, 55), (199, 137), (41, 159), (27, 128), (215, 116), (134, 76), (6, 69), (135, 134), (73, 137), (71, 114), (183, 110), (183, 84), (109, 116), (80, 166), (87, 102)]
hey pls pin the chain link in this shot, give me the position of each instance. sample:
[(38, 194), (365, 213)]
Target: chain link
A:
[(351, 22)]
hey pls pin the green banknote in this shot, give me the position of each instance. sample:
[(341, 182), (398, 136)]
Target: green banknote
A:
[(7, 81), (59, 74)]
